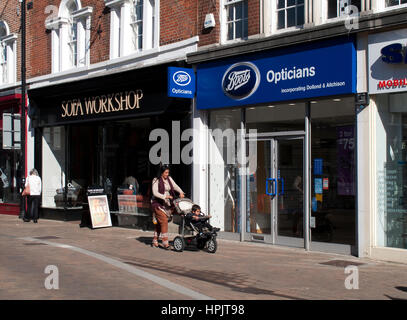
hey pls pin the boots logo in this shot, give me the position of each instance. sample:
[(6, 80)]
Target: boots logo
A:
[(181, 78), (241, 80)]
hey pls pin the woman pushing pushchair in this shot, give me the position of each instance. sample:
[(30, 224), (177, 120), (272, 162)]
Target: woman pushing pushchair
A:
[(164, 192)]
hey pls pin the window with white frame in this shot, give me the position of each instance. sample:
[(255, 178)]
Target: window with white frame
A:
[(338, 8), (70, 34), (7, 55), (290, 13), (392, 3), (236, 19), (133, 26)]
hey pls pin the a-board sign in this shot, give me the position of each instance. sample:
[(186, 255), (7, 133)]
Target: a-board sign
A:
[(99, 211)]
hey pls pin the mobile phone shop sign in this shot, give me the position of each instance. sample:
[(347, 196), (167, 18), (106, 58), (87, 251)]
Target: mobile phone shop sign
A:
[(280, 75), (388, 62), (181, 82)]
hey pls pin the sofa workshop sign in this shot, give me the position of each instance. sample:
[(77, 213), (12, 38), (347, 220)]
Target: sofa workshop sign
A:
[(109, 103), (300, 72)]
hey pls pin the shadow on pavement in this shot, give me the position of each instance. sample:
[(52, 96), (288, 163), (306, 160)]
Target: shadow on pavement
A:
[(404, 289), (236, 281), (393, 298)]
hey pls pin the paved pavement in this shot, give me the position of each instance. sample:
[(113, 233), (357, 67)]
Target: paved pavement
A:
[(118, 263)]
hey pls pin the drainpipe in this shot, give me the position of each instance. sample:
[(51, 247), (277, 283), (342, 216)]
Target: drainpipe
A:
[(23, 105)]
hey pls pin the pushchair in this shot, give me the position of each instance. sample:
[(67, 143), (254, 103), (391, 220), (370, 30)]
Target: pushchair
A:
[(207, 239)]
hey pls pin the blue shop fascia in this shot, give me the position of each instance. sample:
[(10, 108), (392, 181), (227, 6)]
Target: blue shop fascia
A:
[(296, 106)]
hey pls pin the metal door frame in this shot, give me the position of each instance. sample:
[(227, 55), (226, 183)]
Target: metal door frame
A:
[(273, 237)]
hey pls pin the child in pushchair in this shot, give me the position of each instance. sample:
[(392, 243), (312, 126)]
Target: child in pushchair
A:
[(190, 218), (199, 220)]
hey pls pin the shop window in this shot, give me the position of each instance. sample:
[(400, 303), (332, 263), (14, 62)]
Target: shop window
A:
[(392, 3), (133, 26), (70, 36), (337, 8), (272, 118), (7, 55), (290, 13), (53, 167), (223, 170), (333, 171), (10, 157), (236, 25), (391, 164)]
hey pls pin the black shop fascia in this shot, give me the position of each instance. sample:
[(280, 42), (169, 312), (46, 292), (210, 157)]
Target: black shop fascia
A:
[(96, 132), (135, 94)]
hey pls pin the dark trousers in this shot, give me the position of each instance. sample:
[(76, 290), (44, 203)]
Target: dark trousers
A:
[(32, 207)]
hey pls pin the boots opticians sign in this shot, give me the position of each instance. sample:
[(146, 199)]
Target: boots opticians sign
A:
[(312, 70), (388, 62), (109, 103)]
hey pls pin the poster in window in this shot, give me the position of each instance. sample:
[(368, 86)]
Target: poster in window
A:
[(345, 160), (99, 211)]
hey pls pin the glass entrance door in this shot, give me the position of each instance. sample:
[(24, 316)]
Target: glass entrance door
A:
[(274, 188)]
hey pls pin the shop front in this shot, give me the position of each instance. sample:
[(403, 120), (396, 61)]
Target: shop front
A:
[(281, 145), (10, 155), (388, 113), (95, 133)]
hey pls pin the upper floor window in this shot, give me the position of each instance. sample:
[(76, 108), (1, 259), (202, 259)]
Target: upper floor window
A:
[(8, 49), (391, 3), (338, 8), (236, 19), (70, 36), (133, 26), (290, 13)]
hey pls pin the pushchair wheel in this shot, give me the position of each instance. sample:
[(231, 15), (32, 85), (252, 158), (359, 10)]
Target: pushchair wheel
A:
[(212, 245), (201, 244), (179, 244)]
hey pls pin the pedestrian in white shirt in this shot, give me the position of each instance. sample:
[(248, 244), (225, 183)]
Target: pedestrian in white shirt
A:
[(34, 181)]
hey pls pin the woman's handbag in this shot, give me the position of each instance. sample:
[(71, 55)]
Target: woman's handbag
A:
[(26, 191)]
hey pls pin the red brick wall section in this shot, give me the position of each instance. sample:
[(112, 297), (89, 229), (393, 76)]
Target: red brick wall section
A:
[(212, 35), (178, 20), (253, 17), (10, 13)]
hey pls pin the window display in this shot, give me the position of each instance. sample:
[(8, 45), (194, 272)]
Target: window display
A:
[(391, 167)]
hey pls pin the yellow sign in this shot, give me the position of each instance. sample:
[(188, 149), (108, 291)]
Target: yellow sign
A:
[(127, 100), (99, 211)]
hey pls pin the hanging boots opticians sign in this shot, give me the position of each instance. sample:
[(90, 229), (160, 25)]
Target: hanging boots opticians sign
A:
[(110, 103), (181, 82)]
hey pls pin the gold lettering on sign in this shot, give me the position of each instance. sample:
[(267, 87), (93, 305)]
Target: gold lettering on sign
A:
[(113, 102)]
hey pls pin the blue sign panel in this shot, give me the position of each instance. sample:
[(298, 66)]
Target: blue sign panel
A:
[(181, 82), (318, 164), (280, 75)]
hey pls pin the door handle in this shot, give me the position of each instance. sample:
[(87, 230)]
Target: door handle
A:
[(282, 187), (273, 181)]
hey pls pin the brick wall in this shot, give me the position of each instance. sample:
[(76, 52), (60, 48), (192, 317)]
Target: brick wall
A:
[(212, 35), (178, 20), (253, 17)]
